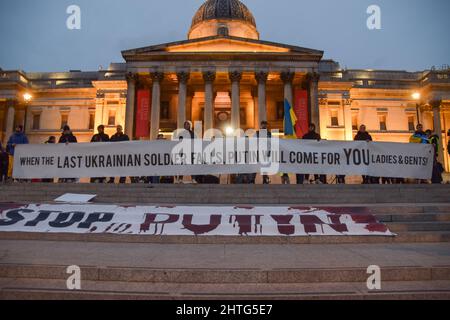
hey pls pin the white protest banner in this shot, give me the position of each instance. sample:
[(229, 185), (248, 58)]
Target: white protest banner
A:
[(223, 156), (192, 220)]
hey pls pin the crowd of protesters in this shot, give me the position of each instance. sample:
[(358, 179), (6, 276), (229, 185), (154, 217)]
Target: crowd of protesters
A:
[(67, 137)]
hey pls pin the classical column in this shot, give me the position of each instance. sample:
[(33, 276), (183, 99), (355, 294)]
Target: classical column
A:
[(314, 98), (183, 78), (10, 115), (288, 77), (157, 78), (261, 77), (436, 104), (346, 102), (129, 112), (235, 77), (209, 77)]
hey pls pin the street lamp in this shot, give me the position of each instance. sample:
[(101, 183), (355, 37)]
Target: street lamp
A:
[(229, 131), (416, 96), (27, 98)]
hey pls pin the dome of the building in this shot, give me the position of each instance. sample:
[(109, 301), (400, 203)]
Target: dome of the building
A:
[(224, 17)]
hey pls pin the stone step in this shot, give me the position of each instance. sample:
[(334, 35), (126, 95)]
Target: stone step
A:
[(402, 237), (429, 217), (224, 194), (224, 276), (216, 200), (20, 289), (419, 226)]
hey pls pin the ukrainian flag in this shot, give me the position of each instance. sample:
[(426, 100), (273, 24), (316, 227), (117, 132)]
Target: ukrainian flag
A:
[(290, 119)]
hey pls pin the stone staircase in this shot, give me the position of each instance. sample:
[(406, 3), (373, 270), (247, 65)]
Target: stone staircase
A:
[(414, 265)]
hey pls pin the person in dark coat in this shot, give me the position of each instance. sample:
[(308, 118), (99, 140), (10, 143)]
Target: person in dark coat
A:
[(263, 133), (448, 144), (17, 138), (438, 170), (312, 135), (4, 163), (363, 135), (188, 134), (50, 140), (67, 137), (101, 136), (119, 136)]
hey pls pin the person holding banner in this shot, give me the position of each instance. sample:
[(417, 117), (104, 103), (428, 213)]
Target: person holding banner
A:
[(448, 144), (101, 136), (264, 133), (119, 136), (50, 140), (313, 135), (67, 137), (419, 136), (4, 162), (18, 137), (363, 135)]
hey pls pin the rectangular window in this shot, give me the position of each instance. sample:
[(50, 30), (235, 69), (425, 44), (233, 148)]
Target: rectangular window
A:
[(112, 118), (36, 125), (64, 119), (382, 120), (411, 123), (334, 118), (355, 125), (165, 110), (91, 121)]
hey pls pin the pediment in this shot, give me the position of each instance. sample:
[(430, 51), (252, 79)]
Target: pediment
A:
[(221, 44)]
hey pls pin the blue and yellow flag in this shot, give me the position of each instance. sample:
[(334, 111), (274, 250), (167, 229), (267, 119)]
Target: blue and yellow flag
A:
[(290, 119)]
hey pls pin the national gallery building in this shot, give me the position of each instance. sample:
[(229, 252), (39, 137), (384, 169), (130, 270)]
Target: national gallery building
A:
[(224, 75)]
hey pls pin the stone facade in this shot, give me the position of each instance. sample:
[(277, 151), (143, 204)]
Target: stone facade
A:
[(224, 75)]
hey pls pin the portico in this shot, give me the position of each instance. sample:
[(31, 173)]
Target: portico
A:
[(235, 89)]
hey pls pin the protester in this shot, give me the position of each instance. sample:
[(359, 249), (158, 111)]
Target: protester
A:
[(119, 136), (285, 179), (187, 126), (4, 161), (264, 133), (419, 135), (67, 137), (101, 136), (157, 179), (312, 135), (50, 140), (438, 170), (363, 135), (448, 144), (434, 140), (18, 137)]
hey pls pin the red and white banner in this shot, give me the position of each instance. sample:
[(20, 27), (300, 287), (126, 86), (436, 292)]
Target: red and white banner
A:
[(192, 220), (143, 114), (301, 112)]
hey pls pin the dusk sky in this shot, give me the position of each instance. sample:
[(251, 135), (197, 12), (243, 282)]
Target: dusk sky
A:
[(34, 36)]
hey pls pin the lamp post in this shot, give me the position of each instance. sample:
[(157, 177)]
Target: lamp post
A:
[(416, 96), (27, 97)]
